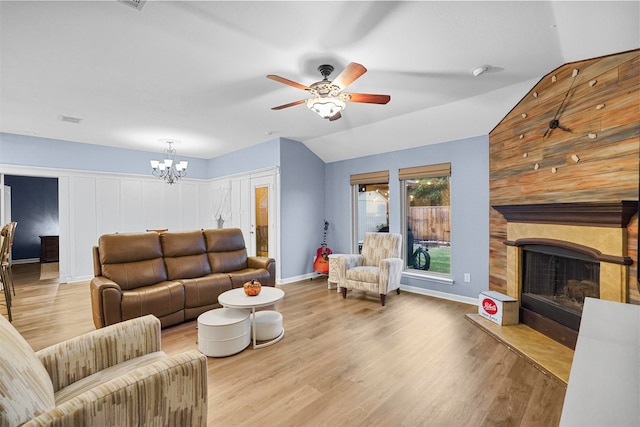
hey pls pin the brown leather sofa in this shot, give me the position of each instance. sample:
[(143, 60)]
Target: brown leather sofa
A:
[(175, 276)]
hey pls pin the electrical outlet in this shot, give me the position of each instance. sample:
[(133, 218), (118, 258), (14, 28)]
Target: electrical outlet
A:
[(467, 277)]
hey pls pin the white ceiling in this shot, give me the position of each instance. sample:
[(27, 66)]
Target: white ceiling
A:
[(195, 70)]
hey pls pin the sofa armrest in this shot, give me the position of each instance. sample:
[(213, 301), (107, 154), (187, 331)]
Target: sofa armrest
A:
[(268, 264), (390, 274), (74, 359), (172, 391), (106, 296), (259, 262)]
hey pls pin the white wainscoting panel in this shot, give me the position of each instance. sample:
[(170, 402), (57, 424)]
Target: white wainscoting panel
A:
[(131, 206), (108, 206), (188, 207), (154, 204), (83, 221), (205, 207)]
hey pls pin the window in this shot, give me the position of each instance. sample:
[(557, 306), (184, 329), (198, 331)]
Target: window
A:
[(427, 218), (370, 204)]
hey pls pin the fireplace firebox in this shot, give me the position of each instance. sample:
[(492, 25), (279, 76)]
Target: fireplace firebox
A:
[(555, 282)]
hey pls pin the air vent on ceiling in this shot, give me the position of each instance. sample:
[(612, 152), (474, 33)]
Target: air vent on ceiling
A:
[(69, 119), (136, 4)]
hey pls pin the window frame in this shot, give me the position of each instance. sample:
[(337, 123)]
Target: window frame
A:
[(355, 181), (424, 171)]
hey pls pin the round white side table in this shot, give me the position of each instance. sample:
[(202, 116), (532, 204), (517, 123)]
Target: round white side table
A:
[(223, 332)]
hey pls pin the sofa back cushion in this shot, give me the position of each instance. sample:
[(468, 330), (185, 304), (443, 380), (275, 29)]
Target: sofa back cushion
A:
[(185, 254), (26, 390), (226, 250), (132, 260)]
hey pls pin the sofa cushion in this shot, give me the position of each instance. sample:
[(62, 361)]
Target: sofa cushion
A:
[(226, 262), (226, 250), (129, 247), (160, 299), (204, 291), (132, 275), (239, 277), (187, 267), (132, 260), (223, 239), (26, 390), (185, 254)]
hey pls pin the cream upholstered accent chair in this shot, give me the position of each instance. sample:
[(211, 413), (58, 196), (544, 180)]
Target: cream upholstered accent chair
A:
[(378, 269), (114, 376)]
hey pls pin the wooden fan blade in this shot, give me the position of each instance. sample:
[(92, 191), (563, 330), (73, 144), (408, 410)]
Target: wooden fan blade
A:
[(287, 82), (291, 104), (369, 98), (349, 75), (335, 116)]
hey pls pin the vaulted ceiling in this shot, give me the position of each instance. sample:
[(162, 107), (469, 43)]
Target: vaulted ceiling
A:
[(195, 71)]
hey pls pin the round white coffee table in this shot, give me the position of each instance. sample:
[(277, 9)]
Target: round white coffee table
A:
[(236, 298)]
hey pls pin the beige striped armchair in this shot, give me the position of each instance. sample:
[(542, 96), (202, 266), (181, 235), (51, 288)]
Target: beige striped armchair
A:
[(114, 376), (377, 269)]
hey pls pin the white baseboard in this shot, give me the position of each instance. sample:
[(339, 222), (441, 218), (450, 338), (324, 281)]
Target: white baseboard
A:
[(25, 261), (442, 295), (75, 279), (300, 278), (406, 288)]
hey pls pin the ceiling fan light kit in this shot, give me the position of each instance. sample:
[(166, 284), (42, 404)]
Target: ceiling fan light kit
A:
[(327, 98), (325, 101), (326, 107)]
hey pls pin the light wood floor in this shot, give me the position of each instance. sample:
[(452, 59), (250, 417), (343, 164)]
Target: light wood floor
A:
[(415, 362)]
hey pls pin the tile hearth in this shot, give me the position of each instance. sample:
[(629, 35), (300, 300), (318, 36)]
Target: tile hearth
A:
[(549, 356)]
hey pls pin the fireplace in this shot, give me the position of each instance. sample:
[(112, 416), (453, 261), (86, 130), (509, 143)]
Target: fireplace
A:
[(558, 254)]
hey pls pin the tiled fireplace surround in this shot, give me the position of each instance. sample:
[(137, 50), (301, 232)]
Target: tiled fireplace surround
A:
[(596, 229)]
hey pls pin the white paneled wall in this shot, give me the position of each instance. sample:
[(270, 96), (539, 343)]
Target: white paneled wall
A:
[(92, 204)]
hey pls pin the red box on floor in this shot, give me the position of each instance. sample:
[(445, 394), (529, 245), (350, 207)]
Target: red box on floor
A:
[(498, 308)]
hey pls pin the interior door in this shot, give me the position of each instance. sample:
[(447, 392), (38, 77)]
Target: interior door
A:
[(261, 233)]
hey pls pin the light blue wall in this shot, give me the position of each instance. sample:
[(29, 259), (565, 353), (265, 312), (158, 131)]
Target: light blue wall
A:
[(302, 207), (469, 160), (260, 156), (58, 154), (312, 191)]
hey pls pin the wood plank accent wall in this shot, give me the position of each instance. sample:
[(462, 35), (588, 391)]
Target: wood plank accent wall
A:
[(602, 111)]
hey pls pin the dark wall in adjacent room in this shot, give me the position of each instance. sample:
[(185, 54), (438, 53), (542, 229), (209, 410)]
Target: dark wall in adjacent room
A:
[(34, 205)]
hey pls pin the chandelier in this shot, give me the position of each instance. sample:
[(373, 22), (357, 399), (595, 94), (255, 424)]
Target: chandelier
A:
[(169, 170)]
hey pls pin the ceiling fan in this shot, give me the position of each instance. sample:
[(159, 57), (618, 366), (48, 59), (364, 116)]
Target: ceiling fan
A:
[(327, 98)]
